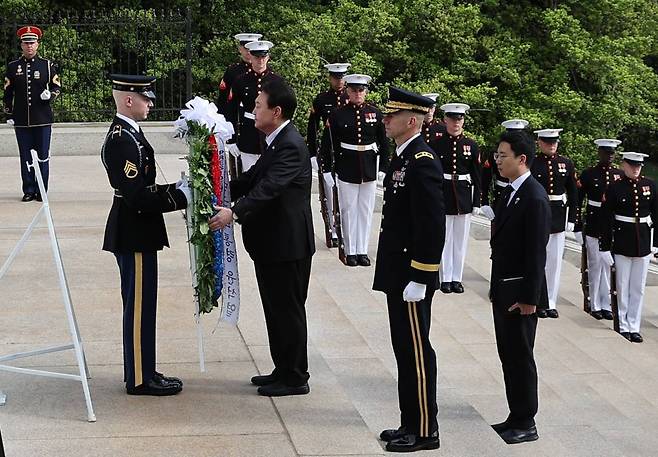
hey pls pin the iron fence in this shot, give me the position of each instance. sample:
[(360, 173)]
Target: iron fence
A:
[(87, 45)]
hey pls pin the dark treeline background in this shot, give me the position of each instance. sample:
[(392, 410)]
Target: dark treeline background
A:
[(588, 66)]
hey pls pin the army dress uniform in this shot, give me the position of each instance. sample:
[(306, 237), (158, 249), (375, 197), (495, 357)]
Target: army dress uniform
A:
[(25, 83), (134, 232), (462, 169), (354, 140), (558, 177), (629, 212), (411, 241), (323, 105), (592, 185)]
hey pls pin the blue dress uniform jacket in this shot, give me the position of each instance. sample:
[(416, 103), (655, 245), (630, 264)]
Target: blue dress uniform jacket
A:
[(413, 224), (25, 80), (135, 222), (432, 132), (558, 177), (634, 199), (233, 72), (592, 185), (323, 105), (358, 127), (490, 173), (240, 107), (460, 157)]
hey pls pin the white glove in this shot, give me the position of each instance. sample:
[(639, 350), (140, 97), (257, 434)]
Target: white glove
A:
[(570, 226), (380, 176), (414, 292), (476, 211), (314, 163), (579, 237), (181, 182), (488, 212), (328, 178), (185, 188), (654, 250), (606, 256), (10, 122), (233, 149), (45, 95)]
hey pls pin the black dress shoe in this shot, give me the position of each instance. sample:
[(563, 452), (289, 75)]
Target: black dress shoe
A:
[(263, 380), (598, 315), (393, 433), (412, 443), (170, 379), (457, 287), (351, 261), (607, 314), (501, 427), (626, 335), (636, 337), (155, 387), (38, 198), (334, 242), (363, 260), (517, 435), (446, 287), (27, 198), (278, 389), (552, 313), (541, 313)]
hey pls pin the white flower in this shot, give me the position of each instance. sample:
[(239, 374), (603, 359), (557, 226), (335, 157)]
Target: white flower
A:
[(204, 113)]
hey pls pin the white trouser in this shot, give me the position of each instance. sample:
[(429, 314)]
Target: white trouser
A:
[(554, 253), (454, 249), (357, 202), (631, 279), (329, 193), (598, 273), (248, 160)]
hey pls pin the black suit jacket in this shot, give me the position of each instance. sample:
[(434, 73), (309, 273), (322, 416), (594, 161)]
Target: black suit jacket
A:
[(274, 201), (518, 247)]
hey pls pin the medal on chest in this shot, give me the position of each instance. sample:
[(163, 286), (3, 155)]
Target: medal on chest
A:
[(562, 168), (467, 151), (646, 191), (19, 70), (398, 175), (370, 118)]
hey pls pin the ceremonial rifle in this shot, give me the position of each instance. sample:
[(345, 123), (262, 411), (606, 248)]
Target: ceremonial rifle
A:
[(584, 278), (613, 298), (323, 196), (334, 191)]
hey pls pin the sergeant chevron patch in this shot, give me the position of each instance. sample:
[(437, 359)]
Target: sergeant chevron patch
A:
[(130, 169)]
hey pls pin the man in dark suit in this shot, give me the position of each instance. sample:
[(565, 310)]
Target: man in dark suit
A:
[(518, 283), (411, 241), (274, 207)]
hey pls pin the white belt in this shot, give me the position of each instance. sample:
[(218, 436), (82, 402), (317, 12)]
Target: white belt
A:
[(558, 198), (457, 177), (594, 203), (501, 183), (251, 116), (359, 147), (633, 220)]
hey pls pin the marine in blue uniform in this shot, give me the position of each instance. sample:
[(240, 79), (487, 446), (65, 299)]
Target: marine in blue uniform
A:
[(135, 230), (433, 129), (411, 239), (31, 84), (630, 212), (235, 70), (592, 184)]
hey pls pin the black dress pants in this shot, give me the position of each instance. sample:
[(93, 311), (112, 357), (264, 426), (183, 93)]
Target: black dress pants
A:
[(283, 288)]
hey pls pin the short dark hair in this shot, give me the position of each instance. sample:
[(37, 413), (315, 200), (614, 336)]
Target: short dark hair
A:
[(521, 143), (279, 93)]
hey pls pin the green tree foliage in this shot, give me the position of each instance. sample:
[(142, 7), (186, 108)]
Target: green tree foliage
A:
[(588, 66)]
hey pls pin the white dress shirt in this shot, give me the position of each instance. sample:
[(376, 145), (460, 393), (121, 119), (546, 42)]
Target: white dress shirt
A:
[(269, 138)]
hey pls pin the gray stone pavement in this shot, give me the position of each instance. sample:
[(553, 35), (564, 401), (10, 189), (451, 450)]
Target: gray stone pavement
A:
[(598, 392)]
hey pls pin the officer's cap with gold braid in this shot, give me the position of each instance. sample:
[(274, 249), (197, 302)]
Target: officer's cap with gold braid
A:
[(29, 34), (140, 84), (401, 99)]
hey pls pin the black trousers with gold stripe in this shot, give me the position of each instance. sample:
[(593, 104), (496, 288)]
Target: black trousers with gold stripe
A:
[(139, 289), (416, 360)]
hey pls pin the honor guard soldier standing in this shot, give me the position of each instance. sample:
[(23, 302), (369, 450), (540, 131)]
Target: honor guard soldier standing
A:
[(460, 158), (248, 141), (410, 243), (557, 174), (235, 70), (356, 141), (323, 105), (592, 184), (630, 212), (433, 129), (491, 174), (31, 84), (135, 230)]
